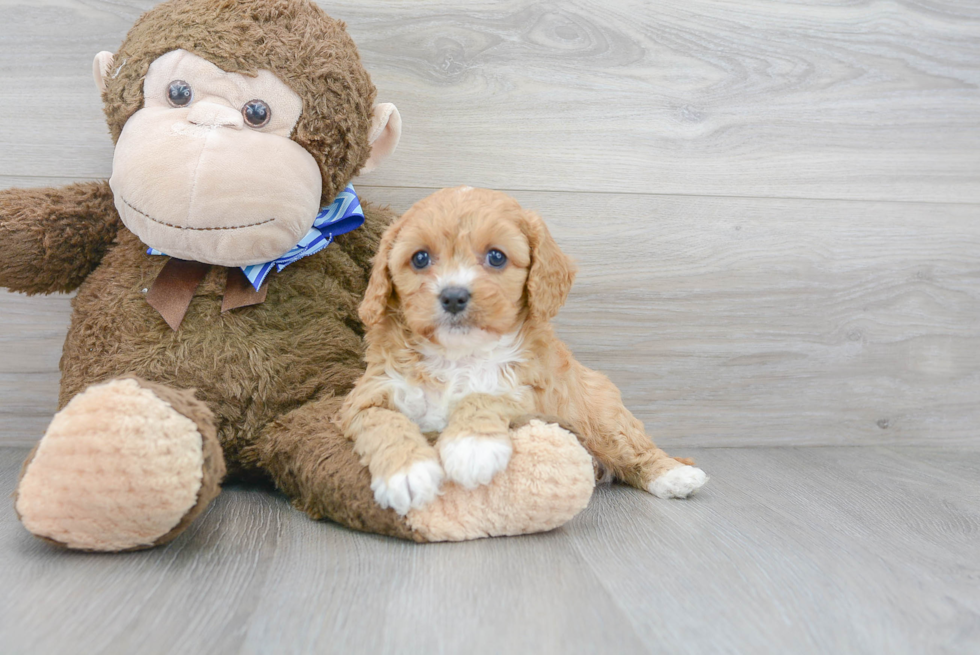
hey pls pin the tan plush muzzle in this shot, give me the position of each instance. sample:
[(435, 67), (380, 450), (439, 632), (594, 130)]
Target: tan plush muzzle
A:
[(198, 182)]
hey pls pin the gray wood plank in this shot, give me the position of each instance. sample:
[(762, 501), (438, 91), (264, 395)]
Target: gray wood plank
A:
[(32, 332), (819, 541), (701, 97), (815, 550), (724, 321), (739, 321), (500, 596)]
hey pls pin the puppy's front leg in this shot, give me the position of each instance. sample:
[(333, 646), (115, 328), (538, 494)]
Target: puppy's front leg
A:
[(405, 470), (475, 445)]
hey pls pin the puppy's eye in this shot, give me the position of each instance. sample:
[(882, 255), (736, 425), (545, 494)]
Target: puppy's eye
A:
[(420, 260), (496, 258), (179, 93)]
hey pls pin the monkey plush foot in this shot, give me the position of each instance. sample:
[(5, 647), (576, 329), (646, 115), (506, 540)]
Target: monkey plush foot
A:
[(125, 465), (549, 479)]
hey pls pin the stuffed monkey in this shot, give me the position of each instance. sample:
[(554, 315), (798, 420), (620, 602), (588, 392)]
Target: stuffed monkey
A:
[(218, 273)]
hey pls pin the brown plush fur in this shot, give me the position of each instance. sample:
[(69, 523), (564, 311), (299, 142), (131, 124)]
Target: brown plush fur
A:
[(309, 51), (266, 374), (262, 381), (54, 238), (249, 365), (316, 466), (406, 324)]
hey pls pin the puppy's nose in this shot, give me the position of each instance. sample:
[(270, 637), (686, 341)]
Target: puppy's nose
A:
[(454, 299)]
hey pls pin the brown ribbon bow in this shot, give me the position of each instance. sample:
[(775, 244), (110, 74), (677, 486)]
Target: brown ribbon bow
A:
[(173, 290)]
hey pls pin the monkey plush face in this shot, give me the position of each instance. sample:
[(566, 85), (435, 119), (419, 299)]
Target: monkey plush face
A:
[(235, 122), (206, 170)]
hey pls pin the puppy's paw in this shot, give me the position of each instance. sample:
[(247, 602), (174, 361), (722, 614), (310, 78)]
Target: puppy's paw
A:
[(678, 482), (411, 488), (472, 461)]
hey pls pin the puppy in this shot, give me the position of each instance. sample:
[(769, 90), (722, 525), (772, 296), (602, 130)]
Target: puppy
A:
[(459, 345)]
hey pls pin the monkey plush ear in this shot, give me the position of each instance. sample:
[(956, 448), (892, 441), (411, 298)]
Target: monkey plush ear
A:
[(101, 67), (386, 129)]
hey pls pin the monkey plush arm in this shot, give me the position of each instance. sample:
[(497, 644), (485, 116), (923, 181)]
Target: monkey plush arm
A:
[(51, 239)]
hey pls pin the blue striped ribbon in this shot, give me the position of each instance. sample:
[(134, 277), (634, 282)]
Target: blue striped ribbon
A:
[(341, 216)]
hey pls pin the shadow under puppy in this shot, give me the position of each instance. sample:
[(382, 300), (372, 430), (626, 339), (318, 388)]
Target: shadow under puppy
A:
[(458, 306)]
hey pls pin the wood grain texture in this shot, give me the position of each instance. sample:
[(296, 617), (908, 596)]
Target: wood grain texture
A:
[(32, 332), (855, 550), (862, 100), (739, 321), (724, 321), (757, 322), (727, 312)]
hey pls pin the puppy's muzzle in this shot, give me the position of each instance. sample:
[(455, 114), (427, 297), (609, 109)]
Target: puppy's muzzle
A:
[(454, 299)]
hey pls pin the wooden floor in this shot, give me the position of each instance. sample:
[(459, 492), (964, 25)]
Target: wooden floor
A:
[(787, 550), (775, 207)]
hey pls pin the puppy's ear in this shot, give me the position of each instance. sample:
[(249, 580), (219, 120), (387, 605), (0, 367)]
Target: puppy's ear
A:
[(375, 303), (551, 274)]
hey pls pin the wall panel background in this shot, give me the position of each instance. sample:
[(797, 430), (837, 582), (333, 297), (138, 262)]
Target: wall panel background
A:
[(775, 206)]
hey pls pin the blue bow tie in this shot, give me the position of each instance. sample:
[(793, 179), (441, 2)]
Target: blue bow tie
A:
[(341, 216)]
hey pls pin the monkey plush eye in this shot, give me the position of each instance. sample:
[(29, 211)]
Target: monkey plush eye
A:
[(179, 93), (496, 258), (420, 260), (257, 113)]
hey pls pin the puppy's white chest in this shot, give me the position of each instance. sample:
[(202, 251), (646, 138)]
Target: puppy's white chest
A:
[(429, 404)]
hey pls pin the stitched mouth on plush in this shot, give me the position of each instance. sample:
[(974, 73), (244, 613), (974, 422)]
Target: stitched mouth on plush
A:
[(203, 228)]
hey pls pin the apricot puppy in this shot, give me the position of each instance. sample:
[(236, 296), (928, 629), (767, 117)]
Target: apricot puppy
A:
[(458, 306)]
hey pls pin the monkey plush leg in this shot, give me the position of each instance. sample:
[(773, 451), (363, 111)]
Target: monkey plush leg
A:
[(548, 481), (125, 465), (315, 465)]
